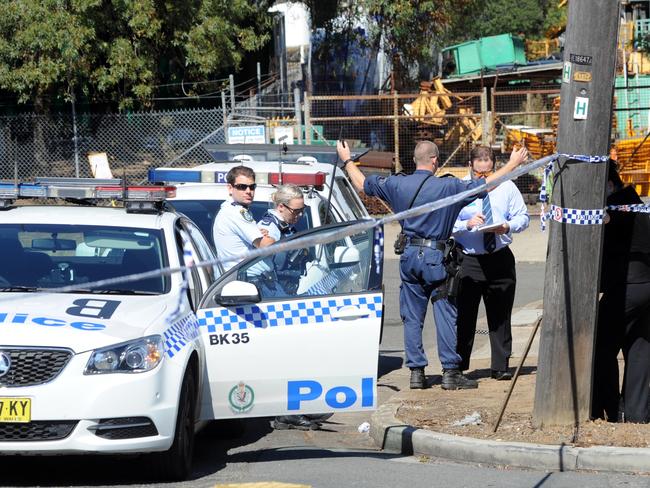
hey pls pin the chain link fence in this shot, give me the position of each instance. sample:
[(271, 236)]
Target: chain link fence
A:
[(58, 145), (395, 123), (34, 145)]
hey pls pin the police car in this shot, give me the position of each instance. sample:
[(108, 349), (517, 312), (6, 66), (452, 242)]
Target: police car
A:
[(93, 363), (329, 196)]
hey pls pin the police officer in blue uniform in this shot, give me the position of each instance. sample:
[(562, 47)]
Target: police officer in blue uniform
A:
[(422, 269), (279, 222)]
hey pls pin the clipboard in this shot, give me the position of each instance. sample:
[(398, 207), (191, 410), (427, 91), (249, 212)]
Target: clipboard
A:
[(488, 227)]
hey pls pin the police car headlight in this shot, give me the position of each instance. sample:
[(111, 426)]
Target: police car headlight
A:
[(135, 356)]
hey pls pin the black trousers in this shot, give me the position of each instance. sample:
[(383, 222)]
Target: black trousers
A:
[(493, 278), (623, 323)]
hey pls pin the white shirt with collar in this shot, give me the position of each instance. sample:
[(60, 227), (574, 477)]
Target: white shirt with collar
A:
[(507, 205), (234, 232)]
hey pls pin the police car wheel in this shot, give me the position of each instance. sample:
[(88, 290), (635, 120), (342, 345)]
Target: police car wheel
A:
[(175, 464)]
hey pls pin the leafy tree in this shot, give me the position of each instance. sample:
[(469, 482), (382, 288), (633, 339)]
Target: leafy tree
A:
[(120, 50), (407, 30), (492, 17), (412, 28)]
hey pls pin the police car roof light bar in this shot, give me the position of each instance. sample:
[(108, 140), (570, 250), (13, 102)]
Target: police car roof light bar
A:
[(8, 190), (8, 193), (208, 176), (82, 182), (137, 193), (300, 179)]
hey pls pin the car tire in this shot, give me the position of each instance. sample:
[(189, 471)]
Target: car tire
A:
[(175, 464)]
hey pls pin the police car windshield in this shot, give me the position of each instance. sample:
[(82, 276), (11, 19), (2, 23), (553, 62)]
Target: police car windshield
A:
[(53, 256), (203, 212)]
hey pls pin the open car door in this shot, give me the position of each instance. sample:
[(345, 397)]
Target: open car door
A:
[(297, 332)]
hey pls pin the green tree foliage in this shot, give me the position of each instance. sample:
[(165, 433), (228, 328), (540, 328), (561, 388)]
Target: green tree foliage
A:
[(492, 17), (532, 18), (411, 28), (407, 30), (120, 50)]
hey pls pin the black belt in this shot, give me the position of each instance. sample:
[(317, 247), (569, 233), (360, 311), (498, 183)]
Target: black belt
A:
[(416, 241)]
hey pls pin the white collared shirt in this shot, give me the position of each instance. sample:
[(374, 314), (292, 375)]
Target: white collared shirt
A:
[(507, 206), (234, 232)]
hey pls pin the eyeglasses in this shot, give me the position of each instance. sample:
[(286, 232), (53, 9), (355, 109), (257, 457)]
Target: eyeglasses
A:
[(243, 186), (295, 211)]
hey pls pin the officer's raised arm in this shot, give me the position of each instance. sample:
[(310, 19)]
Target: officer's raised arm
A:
[(347, 163)]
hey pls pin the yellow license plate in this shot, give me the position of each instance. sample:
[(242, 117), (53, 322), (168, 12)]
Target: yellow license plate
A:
[(15, 409)]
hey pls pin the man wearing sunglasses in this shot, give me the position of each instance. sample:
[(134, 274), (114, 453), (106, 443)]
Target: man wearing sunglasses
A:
[(235, 231), (488, 265)]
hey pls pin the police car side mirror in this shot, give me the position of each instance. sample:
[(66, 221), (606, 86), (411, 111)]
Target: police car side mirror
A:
[(237, 293), (345, 256)]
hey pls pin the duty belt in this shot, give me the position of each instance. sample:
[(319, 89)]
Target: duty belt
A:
[(416, 241)]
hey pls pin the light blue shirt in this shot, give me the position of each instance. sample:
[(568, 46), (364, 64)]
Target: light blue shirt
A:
[(234, 232), (507, 206)]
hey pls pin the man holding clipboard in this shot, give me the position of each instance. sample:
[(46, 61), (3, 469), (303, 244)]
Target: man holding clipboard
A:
[(484, 231)]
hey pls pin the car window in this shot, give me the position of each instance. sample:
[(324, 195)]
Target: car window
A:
[(55, 255), (205, 252), (203, 212), (334, 268), (351, 199)]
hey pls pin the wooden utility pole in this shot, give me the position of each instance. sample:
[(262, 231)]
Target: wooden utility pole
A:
[(563, 389)]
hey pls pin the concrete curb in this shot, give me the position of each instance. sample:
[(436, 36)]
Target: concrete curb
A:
[(393, 436)]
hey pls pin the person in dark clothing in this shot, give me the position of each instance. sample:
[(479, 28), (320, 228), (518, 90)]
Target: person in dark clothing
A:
[(422, 268), (624, 310)]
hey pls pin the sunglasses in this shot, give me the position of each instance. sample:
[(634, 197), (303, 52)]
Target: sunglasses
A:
[(483, 174), (295, 211), (243, 186)]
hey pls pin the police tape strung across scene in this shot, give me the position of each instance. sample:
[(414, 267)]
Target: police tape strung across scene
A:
[(548, 170), (301, 242), (575, 216)]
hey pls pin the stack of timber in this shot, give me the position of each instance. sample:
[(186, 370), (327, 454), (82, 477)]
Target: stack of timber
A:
[(539, 142), (466, 129), (633, 157), (376, 163), (432, 102)]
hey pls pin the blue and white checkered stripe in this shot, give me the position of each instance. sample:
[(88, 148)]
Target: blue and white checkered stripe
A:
[(180, 334), (544, 194), (291, 313), (575, 216), (634, 207)]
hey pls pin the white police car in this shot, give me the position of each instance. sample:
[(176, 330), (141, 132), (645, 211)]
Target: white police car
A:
[(104, 365), (201, 190)]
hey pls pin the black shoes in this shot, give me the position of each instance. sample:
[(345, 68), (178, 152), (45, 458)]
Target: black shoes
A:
[(417, 378), (299, 422), (453, 379), (501, 375)]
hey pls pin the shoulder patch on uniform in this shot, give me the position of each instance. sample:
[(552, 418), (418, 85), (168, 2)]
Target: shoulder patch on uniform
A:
[(246, 214), (266, 220)]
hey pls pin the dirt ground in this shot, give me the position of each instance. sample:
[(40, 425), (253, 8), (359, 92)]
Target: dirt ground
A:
[(436, 409)]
